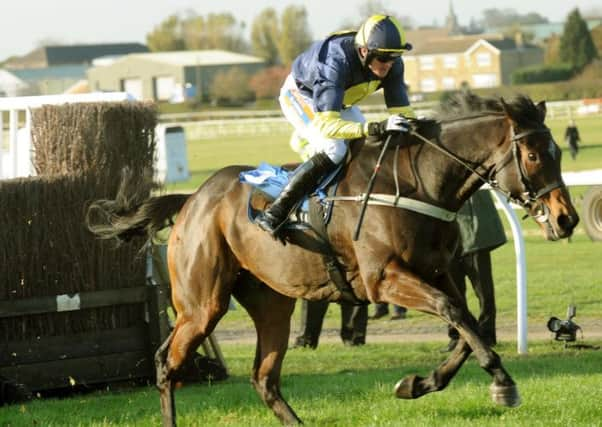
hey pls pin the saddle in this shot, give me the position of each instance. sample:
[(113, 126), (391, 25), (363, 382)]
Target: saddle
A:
[(306, 225), (268, 181)]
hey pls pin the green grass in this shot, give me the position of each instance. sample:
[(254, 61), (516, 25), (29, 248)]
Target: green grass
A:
[(339, 386)]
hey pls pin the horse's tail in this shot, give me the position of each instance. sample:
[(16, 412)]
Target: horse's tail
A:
[(127, 216)]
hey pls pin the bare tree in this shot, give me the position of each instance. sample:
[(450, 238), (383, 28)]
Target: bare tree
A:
[(166, 36), (265, 33), (192, 31), (294, 34)]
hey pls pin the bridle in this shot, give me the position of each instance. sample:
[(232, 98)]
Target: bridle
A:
[(526, 198), (530, 196)]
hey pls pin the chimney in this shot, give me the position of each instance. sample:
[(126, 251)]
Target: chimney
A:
[(519, 39)]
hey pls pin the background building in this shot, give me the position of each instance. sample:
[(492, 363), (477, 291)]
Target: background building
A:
[(446, 63), (54, 69), (167, 76)]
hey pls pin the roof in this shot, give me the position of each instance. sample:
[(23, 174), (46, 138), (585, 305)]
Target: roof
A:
[(71, 54), (197, 57), (461, 44), (59, 72)]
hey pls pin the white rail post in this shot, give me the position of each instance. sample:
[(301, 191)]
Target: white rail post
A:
[(521, 273)]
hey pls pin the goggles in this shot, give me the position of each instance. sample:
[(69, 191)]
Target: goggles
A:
[(387, 57)]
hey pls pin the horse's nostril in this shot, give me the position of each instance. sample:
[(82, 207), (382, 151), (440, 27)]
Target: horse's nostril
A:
[(567, 222)]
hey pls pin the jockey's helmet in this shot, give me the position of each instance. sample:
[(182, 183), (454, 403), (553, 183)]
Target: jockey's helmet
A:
[(383, 36)]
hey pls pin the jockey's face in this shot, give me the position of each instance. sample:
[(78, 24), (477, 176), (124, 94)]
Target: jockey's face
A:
[(380, 67)]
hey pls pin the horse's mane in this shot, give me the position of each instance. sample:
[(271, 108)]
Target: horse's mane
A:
[(466, 105)]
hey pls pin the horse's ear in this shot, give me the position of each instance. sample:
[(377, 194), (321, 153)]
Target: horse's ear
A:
[(542, 110), (506, 108)]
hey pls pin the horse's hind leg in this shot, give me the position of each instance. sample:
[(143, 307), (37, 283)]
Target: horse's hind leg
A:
[(164, 383), (200, 299), (271, 312), (189, 332)]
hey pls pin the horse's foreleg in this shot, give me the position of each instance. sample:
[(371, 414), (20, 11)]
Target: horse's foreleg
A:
[(271, 313), (415, 386), (402, 287)]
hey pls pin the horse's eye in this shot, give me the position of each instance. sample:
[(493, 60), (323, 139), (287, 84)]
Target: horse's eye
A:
[(532, 157)]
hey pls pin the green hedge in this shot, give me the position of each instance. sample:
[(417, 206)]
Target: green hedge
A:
[(542, 74)]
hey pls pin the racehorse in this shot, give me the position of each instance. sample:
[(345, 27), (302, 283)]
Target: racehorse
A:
[(401, 255)]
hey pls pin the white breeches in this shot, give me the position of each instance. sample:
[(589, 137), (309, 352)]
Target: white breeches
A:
[(306, 140)]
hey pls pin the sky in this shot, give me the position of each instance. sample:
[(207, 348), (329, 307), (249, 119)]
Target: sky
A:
[(26, 23)]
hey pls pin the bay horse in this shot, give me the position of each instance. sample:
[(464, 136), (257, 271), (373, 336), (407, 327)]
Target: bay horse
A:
[(401, 256)]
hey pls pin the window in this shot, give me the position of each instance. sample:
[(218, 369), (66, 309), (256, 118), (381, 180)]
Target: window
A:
[(427, 63), (448, 83), (450, 61), (483, 59), (428, 85), (484, 80)]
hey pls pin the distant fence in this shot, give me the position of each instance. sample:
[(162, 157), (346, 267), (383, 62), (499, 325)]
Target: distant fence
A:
[(215, 124)]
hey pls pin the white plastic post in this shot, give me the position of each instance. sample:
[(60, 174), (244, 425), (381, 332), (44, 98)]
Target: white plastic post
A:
[(521, 273)]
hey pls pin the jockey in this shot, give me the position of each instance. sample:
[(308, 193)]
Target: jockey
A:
[(318, 99)]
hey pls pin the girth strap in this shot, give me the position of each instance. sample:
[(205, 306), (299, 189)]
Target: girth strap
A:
[(402, 203), (334, 269)]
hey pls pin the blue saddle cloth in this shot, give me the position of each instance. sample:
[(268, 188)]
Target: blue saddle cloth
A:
[(270, 180)]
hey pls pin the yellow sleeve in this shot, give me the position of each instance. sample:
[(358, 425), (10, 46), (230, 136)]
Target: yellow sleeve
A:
[(406, 111), (331, 125)]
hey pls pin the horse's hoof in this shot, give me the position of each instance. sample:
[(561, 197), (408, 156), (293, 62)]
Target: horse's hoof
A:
[(505, 395), (405, 387)]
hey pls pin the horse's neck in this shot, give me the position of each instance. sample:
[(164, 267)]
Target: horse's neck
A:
[(426, 174), (477, 142)]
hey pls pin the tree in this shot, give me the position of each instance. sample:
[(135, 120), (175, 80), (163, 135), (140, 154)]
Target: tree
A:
[(596, 34), (497, 18), (192, 32), (231, 87), (266, 83), (294, 34), (166, 36), (224, 32), (374, 7), (576, 45), (552, 50), (517, 33), (265, 35)]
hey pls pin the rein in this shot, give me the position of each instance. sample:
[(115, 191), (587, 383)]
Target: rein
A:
[(511, 154), (525, 200)]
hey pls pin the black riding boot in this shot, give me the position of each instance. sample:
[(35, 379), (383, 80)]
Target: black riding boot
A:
[(304, 181)]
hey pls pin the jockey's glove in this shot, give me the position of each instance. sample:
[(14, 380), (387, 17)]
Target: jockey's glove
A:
[(394, 124)]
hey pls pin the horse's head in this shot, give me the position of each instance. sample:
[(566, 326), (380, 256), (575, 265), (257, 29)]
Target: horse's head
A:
[(530, 170)]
